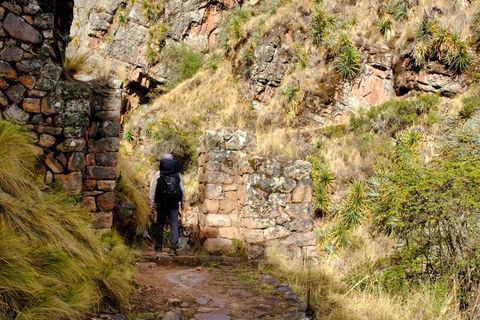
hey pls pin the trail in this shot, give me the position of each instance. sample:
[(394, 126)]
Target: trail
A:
[(186, 287)]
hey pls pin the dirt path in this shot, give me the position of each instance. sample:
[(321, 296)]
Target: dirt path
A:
[(170, 290)]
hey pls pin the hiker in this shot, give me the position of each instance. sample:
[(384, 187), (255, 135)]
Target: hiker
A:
[(166, 192)]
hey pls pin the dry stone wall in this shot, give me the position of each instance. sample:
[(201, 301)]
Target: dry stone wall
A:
[(75, 125), (252, 200)]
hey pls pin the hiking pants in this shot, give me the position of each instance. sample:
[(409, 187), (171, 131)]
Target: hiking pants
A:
[(170, 210)]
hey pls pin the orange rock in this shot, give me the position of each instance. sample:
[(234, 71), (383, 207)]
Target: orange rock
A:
[(27, 81), (31, 105), (46, 108), (106, 201)]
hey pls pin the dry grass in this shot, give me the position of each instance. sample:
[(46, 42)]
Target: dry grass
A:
[(333, 299), (53, 264)]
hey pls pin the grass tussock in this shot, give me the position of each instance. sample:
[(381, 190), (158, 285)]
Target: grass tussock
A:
[(130, 189), (55, 266)]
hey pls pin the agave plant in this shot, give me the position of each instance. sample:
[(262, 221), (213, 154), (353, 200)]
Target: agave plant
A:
[(385, 27)]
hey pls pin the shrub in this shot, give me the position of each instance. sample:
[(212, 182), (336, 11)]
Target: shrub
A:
[(399, 9), (432, 210), (183, 61), (169, 138)]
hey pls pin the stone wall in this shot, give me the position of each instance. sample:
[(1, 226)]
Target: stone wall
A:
[(250, 199), (75, 124)]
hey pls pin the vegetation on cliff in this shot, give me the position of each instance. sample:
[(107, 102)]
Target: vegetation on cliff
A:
[(53, 266)]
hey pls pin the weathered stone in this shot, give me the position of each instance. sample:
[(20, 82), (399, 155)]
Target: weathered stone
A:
[(218, 220), (231, 195), (49, 130), (218, 177), (15, 114), (209, 232), (254, 235), (76, 161), (30, 66), (12, 7), (101, 173), (227, 206), (72, 145), (239, 140), (31, 8), (44, 21), (46, 141), (110, 128), (107, 185), (12, 54), (72, 182), (231, 187), (218, 245), (301, 239), (31, 105), (90, 204), (229, 233), (106, 201), (302, 192), (299, 225), (3, 84), (213, 191), (90, 184), (301, 211), (16, 93), (278, 199), (27, 81), (211, 206), (107, 115), (75, 132), (71, 119), (102, 220), (104, 145), (6, 71), (106, 159), (48, 177), (18, 28), (276, 232), (170, 315), (299, 170), (53, 164), (257, 223)]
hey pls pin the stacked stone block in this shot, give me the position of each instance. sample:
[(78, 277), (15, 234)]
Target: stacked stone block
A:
[(252, 199), (60, 112)]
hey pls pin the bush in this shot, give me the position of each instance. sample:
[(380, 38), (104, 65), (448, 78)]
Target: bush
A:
[(322, 179), (169, 138), (53, 264), (183, 61), (319, 24), (432, 210), (152, 9), (385, 27)]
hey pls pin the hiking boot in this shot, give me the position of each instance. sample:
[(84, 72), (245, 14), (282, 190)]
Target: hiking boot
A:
[(172, 252), (158, 248)]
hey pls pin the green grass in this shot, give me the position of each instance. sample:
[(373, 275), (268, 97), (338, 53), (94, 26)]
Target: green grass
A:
[(53, 264)]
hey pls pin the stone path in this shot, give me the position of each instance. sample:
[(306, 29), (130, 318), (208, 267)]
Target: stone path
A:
[(170, 290)]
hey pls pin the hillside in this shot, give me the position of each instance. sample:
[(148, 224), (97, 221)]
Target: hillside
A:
[(333, 145)]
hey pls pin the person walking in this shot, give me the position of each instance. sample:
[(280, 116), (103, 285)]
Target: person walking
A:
[(167, 192)]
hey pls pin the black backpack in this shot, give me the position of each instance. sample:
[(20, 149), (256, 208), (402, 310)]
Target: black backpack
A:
[(168, 184)]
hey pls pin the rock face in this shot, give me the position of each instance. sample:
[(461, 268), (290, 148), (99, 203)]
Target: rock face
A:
[(133, 35), (75, 123), (250, 199)]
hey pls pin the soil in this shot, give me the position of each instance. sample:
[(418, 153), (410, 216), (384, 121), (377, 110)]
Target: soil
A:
[(169, 289)]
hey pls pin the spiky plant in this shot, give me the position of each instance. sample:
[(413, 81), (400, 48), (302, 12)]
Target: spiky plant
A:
[(457, 56), (353, 210), (347, 57), (322, 179), (385, 27), (319, 24)]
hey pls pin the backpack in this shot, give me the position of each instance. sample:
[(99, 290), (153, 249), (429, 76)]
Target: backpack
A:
[(168, 184)]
